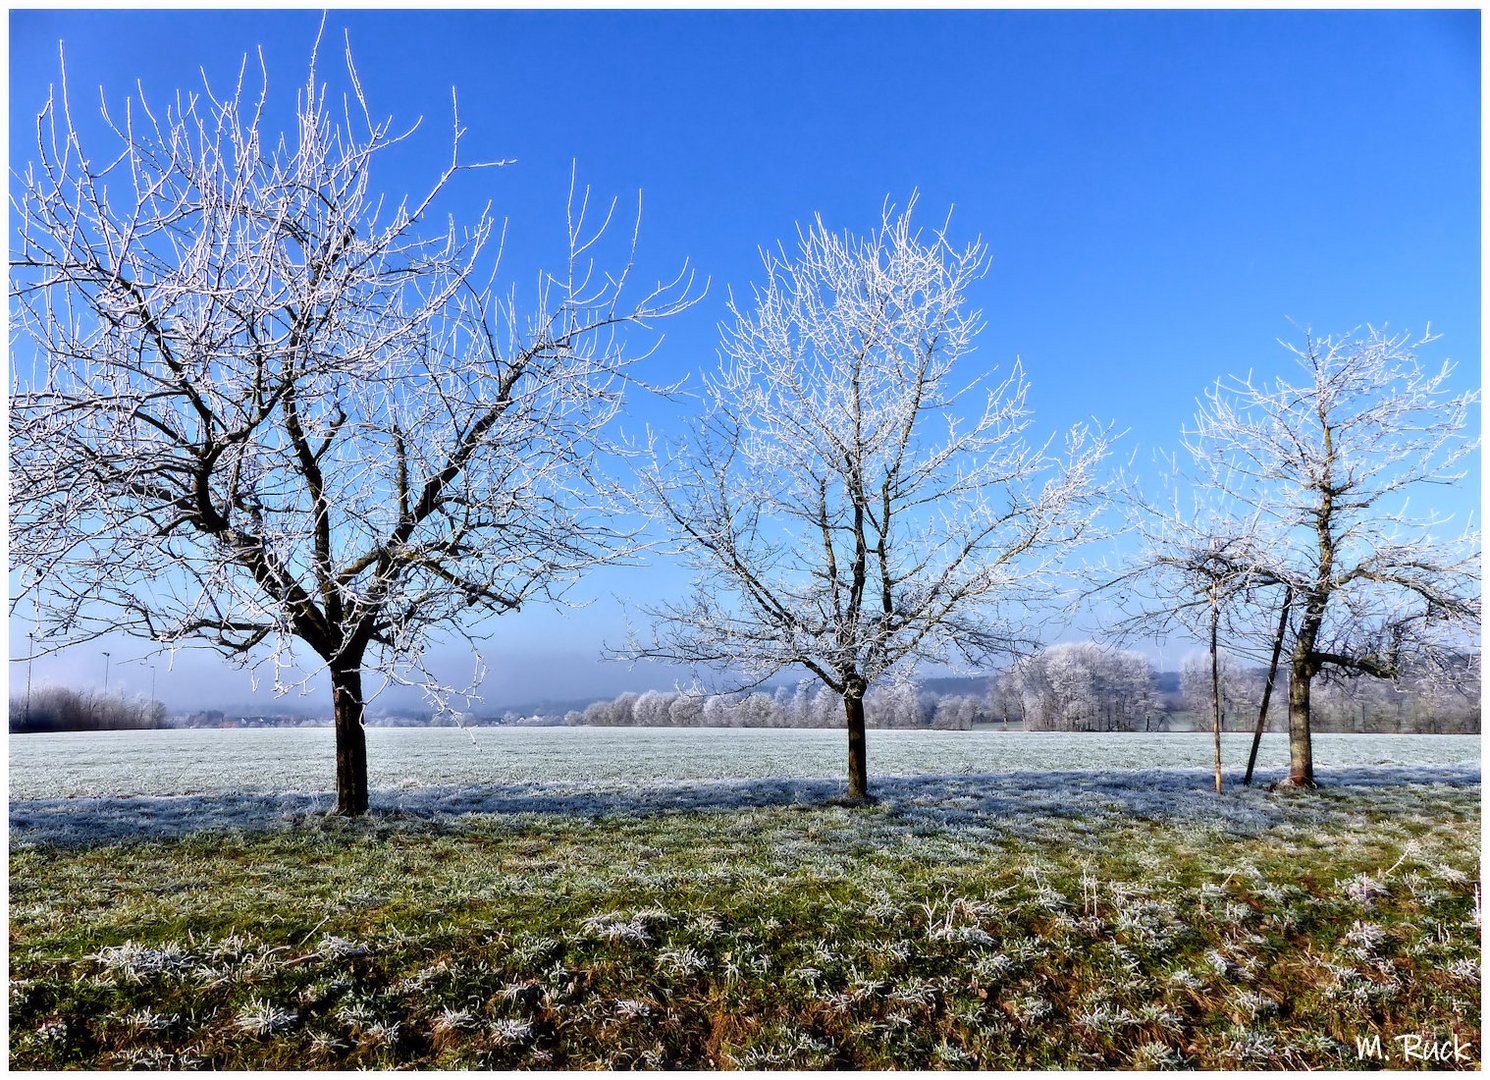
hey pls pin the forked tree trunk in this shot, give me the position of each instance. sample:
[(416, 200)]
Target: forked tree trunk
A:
[(858, 766), (351, 740)]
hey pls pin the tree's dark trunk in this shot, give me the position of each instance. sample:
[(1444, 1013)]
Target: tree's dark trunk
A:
[(351, 740), (858, 766), (1300, 748)]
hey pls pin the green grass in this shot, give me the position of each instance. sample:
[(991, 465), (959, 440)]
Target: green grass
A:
[(810, 937)]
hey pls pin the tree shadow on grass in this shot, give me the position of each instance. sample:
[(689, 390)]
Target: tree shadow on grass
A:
[(1020, 803)]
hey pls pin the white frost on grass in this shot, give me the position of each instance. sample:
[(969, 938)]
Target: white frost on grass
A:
[(1020, 804), (138, 962), (270, 761), (260, 1017), (616, 927), (1020, 785), (506, 1031)]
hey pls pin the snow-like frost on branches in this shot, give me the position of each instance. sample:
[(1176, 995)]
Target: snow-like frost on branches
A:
[(851, 502), (848, 505), (1300, 506), (256, 402)]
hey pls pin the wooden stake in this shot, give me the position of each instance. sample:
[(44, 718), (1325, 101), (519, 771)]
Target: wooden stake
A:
[(1215, 668), (1267, 687)]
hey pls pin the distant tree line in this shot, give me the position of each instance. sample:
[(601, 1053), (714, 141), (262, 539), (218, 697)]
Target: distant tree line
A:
[(895, 705), (54, 708), (1443, 700), (1081, 686), (1090, 687)]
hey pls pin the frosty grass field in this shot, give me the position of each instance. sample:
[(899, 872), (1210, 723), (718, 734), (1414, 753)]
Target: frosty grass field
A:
[(208, 762), (195, 778), (621, 898)]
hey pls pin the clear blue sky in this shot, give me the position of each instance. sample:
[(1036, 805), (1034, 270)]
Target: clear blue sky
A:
[(1161, 191)]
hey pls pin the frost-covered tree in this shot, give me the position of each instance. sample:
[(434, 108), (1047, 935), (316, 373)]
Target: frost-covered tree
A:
[(1005, 700), (757, 710), (1310, 493), (896, 705), (958, 713), (686, 709), (801, 704), (258, 401), (651, 709), (1238, 687), (718, 712), (615, 713), (1072, 703), (1083, 686), (849, 506), (827, 708)]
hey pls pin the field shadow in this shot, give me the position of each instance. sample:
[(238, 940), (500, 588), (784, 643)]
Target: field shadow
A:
[(1017, 802)]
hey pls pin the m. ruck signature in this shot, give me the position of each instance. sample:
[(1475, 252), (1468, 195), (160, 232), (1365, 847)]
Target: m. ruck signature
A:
[(1417, 1048)]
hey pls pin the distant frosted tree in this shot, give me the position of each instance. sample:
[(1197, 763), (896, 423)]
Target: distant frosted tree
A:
[(758, 710), (256, 401), (1005, 697), (50, 708), (1239, 689), (851, 508), (615, 713), (826, 710), (801, 705), (1083, 686), (651, 709), (686, 709), (957, 712), (1073, 686), (896, 705), (719, 712)]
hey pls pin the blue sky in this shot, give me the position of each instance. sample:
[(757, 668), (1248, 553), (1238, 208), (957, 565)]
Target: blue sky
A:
[(1161, 191)]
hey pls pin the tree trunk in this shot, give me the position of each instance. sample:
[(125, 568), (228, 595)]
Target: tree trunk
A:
[(1300, 748), (858, 767), (351, 740)]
